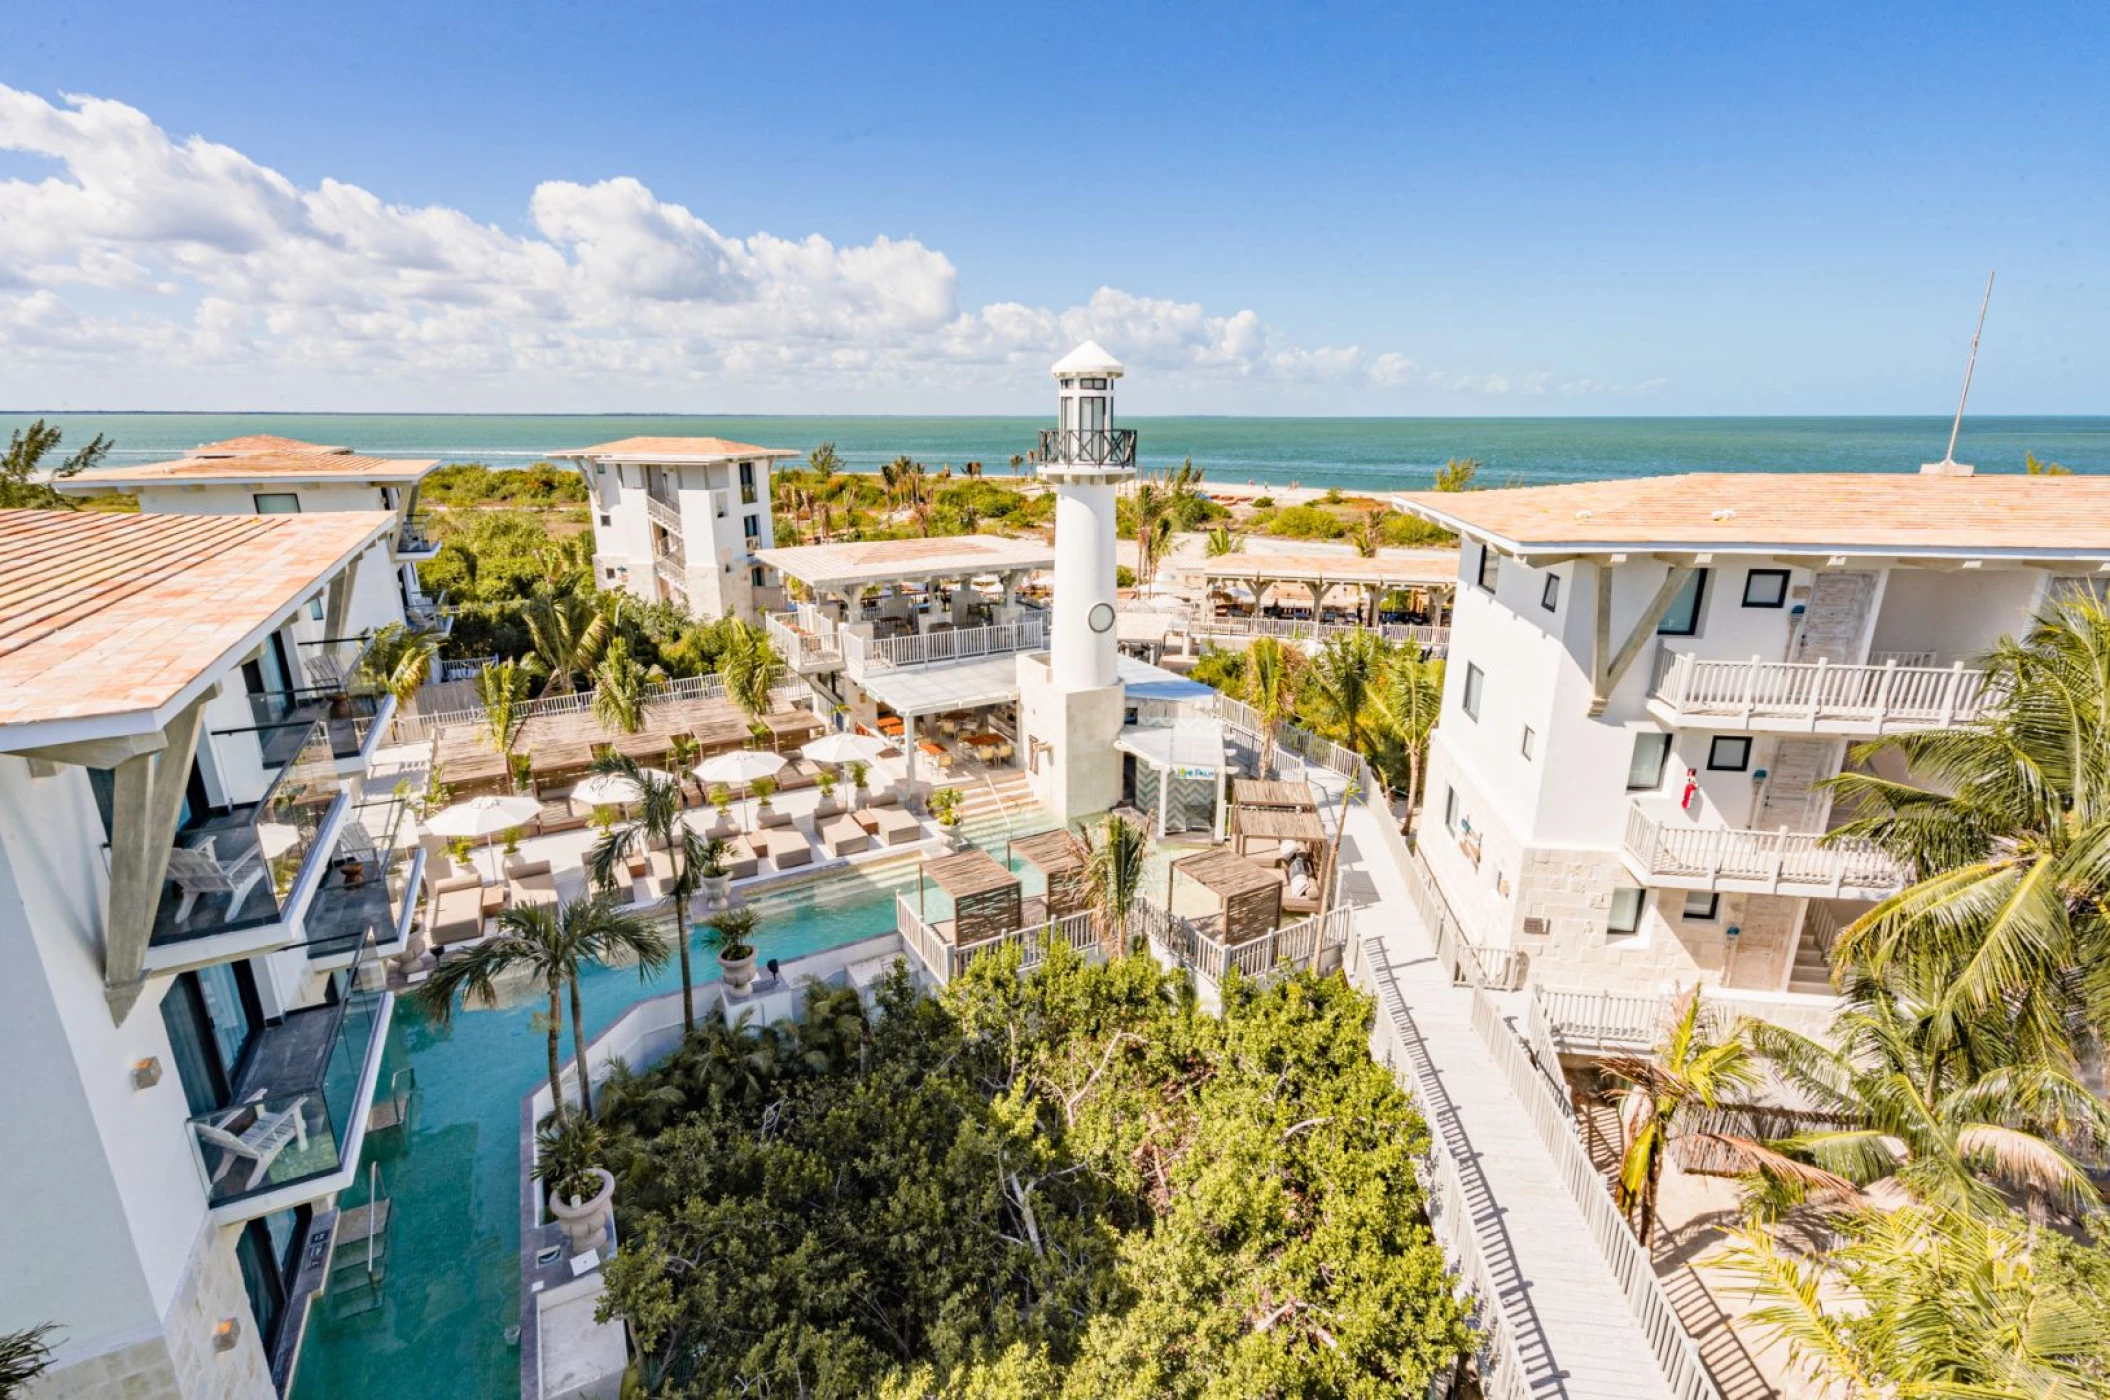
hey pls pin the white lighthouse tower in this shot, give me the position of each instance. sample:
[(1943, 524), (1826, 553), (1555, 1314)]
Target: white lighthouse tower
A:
[(1070, 697)]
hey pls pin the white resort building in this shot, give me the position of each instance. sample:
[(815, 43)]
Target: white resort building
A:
[(193, 893), (683, 519), (1650, 681), (269, 475)]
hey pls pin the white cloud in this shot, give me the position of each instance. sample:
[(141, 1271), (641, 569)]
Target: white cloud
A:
[(142, 258)]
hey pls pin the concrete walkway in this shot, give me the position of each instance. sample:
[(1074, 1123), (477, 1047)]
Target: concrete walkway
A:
[(1575, 1335)]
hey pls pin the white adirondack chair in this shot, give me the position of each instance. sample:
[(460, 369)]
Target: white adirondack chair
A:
[(259, 1143), (197, 870)]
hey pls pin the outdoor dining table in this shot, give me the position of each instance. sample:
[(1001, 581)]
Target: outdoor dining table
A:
[(984, 741)]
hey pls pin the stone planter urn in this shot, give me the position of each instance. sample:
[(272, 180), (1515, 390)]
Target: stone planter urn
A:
[(717, 891), (955, 839), (586, 1222), (737, 972)]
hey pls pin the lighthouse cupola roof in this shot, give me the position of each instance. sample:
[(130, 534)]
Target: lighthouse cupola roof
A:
[(1090, 358)]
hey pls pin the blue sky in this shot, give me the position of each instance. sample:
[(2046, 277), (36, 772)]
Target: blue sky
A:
[(1427, 209)]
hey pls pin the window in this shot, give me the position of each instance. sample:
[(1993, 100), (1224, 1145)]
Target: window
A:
[(1702, 908), (755, 576), (1645, 769), (1550, 600), (751, 526), (1490, 565), (1475, 682), (1682, 617), (277, 503), (1625, 916), (747, 473), (315, 607), (1450, 810), (1729, 753), (1766, 588), (1530, 738), (605, 521)]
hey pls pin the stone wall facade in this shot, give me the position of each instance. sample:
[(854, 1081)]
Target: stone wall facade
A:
[(180, 1363)]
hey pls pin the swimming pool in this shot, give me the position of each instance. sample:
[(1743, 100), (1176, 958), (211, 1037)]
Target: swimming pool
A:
[(452, 1287)]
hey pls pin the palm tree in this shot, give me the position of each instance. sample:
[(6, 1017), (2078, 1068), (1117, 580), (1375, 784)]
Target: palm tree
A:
[(568, 631), (657, 823), (1149, 506), (553, 943), (1367, 534), (1271, 689), (733, 930), (750, 667), (1458, 474), (1946, 1303), (26, 1354), (399, 659), (502, 690), (1342, 685), (1220, 543), (1679, 1091), (2011, 842), (683, 750), (1017, 461), (622, 689), (823, 461), (1404, 709), (1113, 875)]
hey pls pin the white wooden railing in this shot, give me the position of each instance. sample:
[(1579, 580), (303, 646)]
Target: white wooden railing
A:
[(672, 573), (801, 648), (410, 728), (667, 517), (1817, 695), (863, 655), (945, 961), (1271, 955), (1437, 639), (1581, 1021), (1784, 862)]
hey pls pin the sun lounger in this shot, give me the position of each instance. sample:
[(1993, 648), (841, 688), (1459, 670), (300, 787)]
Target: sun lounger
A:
[(259, 1143), (530, 882), (457, 910), (787, 848), (840, 836), (743, 857), (891, 826), (828, 807), (883, 797), (198, 870), (772, 817)]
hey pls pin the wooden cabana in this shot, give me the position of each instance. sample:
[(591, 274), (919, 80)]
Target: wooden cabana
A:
[(1262, 830), (984, 895), (1059, 856), (1247, 897), (791, 725), (1272, 793)]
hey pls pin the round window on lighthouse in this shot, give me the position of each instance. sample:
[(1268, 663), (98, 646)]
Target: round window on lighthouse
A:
[(1100, 617)]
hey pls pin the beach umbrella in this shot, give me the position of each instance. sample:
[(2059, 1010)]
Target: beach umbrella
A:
[(485, 817), (613, 789), (845, 747), (741, 766)]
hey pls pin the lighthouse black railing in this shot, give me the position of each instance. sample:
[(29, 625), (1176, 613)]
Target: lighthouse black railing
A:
[(1089, 447)]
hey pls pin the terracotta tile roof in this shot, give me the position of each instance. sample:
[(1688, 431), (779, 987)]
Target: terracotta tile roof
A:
[(314, 465), (886, 561), (1864, 513), (107, 615), (675, 449), (252, 444)]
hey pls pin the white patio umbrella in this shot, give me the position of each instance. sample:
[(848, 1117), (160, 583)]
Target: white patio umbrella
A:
[(845, 747), (613, 789), (485, 817), (740, 766)]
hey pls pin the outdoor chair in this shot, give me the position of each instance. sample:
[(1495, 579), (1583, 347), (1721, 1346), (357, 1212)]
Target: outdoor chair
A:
[(457, 909), (197, 871), (787, 848), (892, 826), (840, 836), (259, 1143), (530, 882)]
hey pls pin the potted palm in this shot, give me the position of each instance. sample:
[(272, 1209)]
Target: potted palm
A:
[(522, 767), (717, 881), (945, 806), (764, 789), (858, 769), (825, 780), (722, 803), (733, 930), (568, 1154)]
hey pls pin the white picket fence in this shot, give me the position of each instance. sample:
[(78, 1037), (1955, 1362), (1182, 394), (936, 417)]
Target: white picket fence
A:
[(864, 655), (1878, 699), (1783, 861)]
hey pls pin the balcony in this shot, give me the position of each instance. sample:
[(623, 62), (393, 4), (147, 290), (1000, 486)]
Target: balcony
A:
[(667, 517), (427, 614), (368, 895), (862, 656), (353, 720), (1819, 697), (804, 651), (239, 880), (296, 1119), (673, 576), (1668, 852), (415, 541), (1088, 447)]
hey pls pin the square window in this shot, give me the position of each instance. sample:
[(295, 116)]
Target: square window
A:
[(1766, 588), (277, 503), (1702, 908), (1644, 770), (605, 521), (1550, 599), (1625, 915), (1530, 738), (1475, 682), (1729, 753), (1450, 810), (1682, 617), (1490, 567)]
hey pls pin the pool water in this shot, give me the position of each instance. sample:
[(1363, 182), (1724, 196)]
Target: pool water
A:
[(452, 1286)]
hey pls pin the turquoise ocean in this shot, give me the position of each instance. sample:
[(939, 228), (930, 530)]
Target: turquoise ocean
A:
[(1351, 453)]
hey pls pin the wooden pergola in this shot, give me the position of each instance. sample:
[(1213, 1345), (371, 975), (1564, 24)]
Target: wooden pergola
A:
[(1265, 829), (1272, 793), (984, 895), (1247, 897), (1059, 856)]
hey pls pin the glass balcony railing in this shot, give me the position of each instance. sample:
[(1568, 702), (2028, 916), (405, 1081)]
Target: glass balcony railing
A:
[(416, 535), (366, 889), (347, 715), (235, 869), (290, 1118)]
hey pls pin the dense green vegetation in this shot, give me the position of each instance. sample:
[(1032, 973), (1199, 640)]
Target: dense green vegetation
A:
[(473, 484), (1068, 1184), (23, 469)]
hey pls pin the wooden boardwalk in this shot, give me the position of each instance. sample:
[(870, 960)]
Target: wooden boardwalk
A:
[(1575, 1335)]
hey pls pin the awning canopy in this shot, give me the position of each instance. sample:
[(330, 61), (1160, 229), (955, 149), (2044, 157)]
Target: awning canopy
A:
[(1270, 792), (992, 680), (842, 567), (1188, 743), (1226, 875)]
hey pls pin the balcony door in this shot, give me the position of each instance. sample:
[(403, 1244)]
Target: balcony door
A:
[(211, 1015), (1837, 615)]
